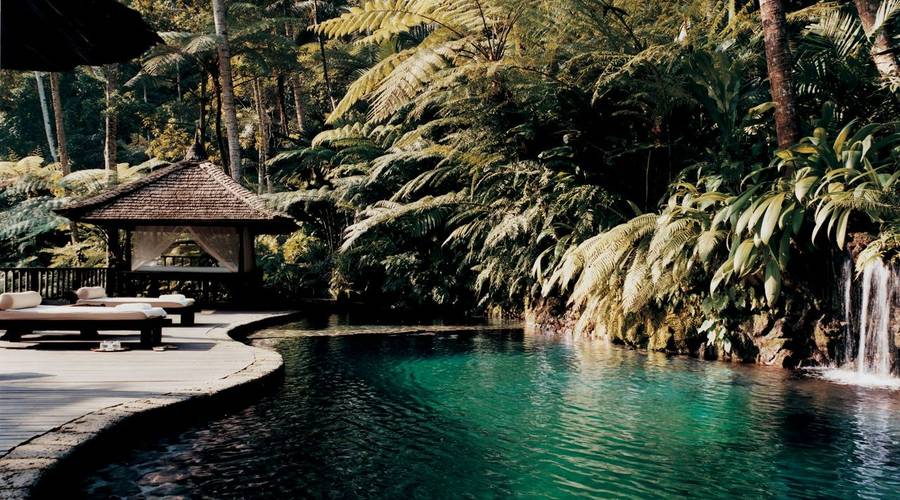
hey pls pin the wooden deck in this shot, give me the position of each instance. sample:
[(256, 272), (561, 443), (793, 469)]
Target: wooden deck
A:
[(46, 386)]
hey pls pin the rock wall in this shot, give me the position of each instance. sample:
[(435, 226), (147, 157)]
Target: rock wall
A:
[(800, 337)]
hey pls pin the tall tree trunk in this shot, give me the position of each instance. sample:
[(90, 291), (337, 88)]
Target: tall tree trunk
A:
[(56, 99), (228, 110), (778, 60), (315, 14), (262, 136), (146, 101), (883, 52), (45, 113), (112, 124), (298, 103), (282, 107), (294, 82), (201, 118), (217, 90), (178, 79)]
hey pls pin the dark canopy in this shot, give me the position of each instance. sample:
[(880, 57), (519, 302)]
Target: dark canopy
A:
[(57, 35)]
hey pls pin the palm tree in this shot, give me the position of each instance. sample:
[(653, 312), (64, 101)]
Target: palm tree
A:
[(778, 59), (874, 17), (314, 13), (56, 100), (298, 103), (228, 110), (199, 49), (457, 41), (263, 134), (321, 42), (45, 113), (111, 73)]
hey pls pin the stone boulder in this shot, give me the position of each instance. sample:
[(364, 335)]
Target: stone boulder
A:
[(772, 346)]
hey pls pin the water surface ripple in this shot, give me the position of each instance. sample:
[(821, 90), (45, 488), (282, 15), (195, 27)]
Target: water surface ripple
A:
[(501, 413)]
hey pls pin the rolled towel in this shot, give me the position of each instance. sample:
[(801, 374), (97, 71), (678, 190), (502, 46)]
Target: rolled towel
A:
[(174, 297), (91, 292), (135, 306), (156, 312), (21, 300)]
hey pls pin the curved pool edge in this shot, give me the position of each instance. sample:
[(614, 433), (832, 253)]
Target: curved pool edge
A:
[(29, 469)]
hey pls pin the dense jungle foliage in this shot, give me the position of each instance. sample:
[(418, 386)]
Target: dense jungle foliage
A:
[(620, 156)]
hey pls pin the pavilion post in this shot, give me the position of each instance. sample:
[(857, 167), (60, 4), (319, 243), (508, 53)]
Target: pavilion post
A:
[(125, 286), (113, 259), (241, 250), (249, 246)]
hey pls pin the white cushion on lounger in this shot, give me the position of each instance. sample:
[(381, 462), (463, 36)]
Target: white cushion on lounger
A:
[(114, 301), (64, 313), (134, 306), (21, 300), (177, 297), (91, 292)]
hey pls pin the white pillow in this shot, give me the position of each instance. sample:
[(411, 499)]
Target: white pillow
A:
[(174, 297), (91, 292), (22, 300), (137, 306)]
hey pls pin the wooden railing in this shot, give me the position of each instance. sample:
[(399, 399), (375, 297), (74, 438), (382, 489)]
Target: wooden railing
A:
[(187, 261), (209, 289), (58, 284), (52, 283)]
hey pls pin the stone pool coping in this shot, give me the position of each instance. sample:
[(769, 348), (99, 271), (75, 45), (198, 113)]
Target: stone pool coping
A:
[(28, 467)]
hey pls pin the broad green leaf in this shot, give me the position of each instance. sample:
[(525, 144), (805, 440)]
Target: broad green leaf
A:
[(797, 223), (822, 215), (770, 221), (842, 137), (787, 215), (852, 159), (802, 186), (772, 281), (743, 219), (864, 131), (742, 255), (842, 229), (721, 274), (758, 213), (807, 149), (784, 249)]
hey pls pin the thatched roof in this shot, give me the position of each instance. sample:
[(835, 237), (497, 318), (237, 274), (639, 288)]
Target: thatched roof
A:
[(186, 192)]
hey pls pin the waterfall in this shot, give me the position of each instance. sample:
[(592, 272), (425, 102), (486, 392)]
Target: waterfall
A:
[(875, 350), (870, 323), (846, 287)]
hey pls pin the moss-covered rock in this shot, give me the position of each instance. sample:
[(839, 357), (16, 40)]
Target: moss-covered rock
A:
[(798, 334)]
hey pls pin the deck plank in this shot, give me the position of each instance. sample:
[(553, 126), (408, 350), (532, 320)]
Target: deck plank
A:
[(43, 388)]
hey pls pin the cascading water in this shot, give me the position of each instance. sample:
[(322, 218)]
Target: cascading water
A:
[(875, 353), (869, 302)]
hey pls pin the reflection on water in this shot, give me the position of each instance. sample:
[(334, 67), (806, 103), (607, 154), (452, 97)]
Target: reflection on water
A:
[(501, 413)]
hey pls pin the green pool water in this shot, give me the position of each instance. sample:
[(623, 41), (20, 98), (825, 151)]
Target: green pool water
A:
[(502, 414)]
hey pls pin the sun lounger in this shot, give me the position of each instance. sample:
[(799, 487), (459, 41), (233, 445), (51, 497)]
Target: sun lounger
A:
[(22, 319), (172, 304)]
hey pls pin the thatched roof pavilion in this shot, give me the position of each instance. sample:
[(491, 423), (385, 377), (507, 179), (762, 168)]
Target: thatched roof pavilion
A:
[(194, 200), (187, 192)]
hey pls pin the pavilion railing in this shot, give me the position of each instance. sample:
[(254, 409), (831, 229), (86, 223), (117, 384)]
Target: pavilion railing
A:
[(53, 283), (188, 261), (58, 284)]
